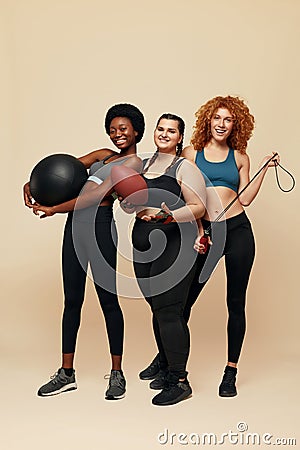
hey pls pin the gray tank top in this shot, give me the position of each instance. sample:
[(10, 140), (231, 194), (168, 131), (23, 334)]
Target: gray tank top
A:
[(100, 170)]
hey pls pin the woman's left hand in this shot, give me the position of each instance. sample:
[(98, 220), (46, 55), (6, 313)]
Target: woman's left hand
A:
[(200, 247), (46, 210), (274, 161)]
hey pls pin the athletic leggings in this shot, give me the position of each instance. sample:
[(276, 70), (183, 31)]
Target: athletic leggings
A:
[(91, 242), (239, 251), (164, 264)]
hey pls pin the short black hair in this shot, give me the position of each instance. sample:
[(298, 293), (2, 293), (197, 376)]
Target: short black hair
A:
[(131, 112)]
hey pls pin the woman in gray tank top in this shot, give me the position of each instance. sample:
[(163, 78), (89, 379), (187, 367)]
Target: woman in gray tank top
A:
[(90, 238)]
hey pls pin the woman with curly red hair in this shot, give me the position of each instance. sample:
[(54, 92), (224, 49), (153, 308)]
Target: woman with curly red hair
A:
[(221, 133), (218, 146)]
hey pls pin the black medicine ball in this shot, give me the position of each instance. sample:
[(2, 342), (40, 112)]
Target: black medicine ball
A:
[(57, 179)]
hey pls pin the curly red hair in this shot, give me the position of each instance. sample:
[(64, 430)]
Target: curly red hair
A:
[(243, 123)]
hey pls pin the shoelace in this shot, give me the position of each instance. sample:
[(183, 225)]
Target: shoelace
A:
[(56, 377), (114, 379), (153, 364), (162, 374), (170, 386), (229, 378)]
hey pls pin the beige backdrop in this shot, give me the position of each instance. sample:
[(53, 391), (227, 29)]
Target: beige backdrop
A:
[(63, 63)]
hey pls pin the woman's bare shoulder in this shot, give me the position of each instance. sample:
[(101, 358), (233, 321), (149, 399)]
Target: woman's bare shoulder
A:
[(189, 153)]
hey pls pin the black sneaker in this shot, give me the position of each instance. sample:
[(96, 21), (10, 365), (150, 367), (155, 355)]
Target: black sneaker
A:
[(116, 386), (151, 371), (59, 383), (160, 380), (173, 393), (227, 387)]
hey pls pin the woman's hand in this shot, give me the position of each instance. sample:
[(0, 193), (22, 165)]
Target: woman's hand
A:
[(149, 217), (274, 161), (27, 195), (200, 248), (164, 215), (165, 208), (47, 211), (127, 207)]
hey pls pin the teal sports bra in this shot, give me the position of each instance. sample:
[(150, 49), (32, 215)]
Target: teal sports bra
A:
[(224, 173)]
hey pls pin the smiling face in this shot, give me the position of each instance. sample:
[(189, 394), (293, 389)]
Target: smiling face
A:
[(221, 125), (167, 135), (122, 133)]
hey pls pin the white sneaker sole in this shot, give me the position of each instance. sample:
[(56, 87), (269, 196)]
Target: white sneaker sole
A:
[(114, 397)]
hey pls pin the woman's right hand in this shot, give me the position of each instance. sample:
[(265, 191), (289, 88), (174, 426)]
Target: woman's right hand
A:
[(200, 248), (28, 200), (47, 211)]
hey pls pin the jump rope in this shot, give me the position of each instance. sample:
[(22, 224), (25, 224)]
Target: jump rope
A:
[(207, 231), (165, 217)]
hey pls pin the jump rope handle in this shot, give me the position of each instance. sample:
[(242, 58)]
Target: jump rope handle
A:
[(204, 240)]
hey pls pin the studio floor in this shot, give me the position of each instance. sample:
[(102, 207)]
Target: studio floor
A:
[(266, 408)]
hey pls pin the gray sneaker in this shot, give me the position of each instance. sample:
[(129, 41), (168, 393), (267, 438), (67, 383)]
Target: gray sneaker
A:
[(116, 386), (59, 383)]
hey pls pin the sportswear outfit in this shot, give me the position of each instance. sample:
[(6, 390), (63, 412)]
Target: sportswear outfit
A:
[(232, 238), (90, 238), (164, 264)]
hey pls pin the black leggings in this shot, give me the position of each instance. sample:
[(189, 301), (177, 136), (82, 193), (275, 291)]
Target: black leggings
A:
[(91, 242), (164, 264), (239, 251)]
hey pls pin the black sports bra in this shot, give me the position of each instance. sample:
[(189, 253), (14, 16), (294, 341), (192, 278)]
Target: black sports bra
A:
[(164, 188)]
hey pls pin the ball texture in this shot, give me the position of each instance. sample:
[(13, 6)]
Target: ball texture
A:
[(129, 185), (57, 179)]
